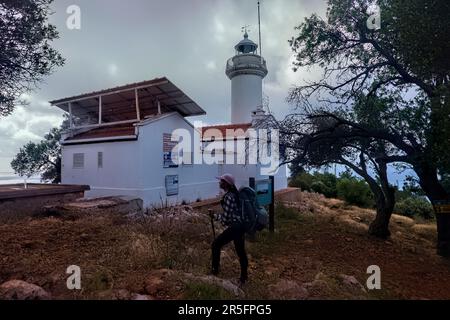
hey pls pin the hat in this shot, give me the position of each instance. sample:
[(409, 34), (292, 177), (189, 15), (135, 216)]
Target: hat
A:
[(228, 178)]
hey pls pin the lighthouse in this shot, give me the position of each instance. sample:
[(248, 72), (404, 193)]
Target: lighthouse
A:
[(246, 70)]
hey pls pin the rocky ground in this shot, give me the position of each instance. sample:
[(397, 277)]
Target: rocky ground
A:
[(320, 250)]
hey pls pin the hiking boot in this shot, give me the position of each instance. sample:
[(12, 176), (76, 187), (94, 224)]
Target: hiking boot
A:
[(214, 272), (242, 281)]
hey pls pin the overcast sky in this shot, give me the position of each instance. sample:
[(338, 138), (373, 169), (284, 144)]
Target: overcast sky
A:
[(187, 41)]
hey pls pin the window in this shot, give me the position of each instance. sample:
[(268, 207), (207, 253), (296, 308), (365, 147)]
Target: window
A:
[(78, 160), (100, 160)]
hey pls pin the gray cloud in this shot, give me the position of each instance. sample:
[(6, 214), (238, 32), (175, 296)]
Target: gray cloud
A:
[(187, 41)]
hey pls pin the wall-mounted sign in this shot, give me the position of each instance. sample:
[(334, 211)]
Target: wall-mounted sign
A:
[(172, 185), (263, 191), (170, 155), (442, 206)]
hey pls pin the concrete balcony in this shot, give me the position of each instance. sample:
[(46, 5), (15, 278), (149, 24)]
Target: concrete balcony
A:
[(246, 64)]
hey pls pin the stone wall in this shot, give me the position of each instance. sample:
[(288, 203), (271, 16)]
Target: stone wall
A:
[(15, 209)]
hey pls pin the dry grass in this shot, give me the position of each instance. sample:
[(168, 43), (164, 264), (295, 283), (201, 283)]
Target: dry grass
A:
[(316, 240)]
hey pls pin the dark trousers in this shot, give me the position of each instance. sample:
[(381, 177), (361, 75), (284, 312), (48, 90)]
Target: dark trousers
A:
[(235, 233)]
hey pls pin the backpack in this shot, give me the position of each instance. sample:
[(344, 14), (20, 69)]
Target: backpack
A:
[(254, 216)]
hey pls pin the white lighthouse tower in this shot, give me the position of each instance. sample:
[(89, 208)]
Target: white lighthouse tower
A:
[(246, 70)]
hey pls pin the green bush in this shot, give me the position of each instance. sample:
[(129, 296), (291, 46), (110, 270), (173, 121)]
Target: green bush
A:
[(324, 183), (303, 181), (285, 213), (354, 191), (414, 206)]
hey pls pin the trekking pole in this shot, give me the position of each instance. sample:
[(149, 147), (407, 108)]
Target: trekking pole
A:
[(210, 213)]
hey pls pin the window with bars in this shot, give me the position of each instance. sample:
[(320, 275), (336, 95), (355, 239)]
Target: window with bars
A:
[(100, 160), (78, 160)]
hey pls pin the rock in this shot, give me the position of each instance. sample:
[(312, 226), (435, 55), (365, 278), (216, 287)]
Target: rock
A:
[(319, 287), (116, 294), (351, 282), (21, 290), (288, 289), (141, 297), (153, 284), (227, 285), (85, 237), (122, 294), (402, 220)]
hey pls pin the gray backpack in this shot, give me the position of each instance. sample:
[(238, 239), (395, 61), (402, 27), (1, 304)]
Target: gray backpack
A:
[(254, 216)]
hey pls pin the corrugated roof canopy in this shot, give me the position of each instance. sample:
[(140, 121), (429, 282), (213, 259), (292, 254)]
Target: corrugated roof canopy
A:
[(118, 103)]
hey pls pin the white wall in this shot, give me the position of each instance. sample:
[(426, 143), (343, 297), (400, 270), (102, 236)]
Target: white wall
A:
[(136, 168), (195, 181), (246, 95)]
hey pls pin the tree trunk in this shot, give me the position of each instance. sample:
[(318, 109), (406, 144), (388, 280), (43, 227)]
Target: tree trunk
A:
[(380, 226), (385, 206), (436, 192)]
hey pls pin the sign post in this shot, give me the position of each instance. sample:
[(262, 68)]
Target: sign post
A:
[(272, 205), (266, 197)]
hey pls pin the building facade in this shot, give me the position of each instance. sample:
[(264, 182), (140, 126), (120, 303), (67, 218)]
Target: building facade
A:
[(120, 140)]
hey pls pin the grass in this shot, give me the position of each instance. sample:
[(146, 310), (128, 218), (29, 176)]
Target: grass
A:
[(312, 235), (101, 280)]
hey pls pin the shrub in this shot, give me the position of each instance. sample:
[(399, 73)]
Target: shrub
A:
[(285, 213), (303, 181), (324, 183), (328, 184), (354, 191), (415, 206)]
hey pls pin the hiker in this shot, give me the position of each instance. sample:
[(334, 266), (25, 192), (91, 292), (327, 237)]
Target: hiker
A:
[(235, 230)]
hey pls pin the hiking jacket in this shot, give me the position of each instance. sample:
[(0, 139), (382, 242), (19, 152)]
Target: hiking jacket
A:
[(230, 206)]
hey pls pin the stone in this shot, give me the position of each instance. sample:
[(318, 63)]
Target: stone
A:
[(227, 285), (288, 290), (122, 294), (153, 284), (351, 282), (141, 297), (21, 290)]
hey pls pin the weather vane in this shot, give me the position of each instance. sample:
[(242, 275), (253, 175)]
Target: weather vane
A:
[(245, 28)]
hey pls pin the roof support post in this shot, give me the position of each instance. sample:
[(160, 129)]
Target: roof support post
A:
[(159, 106), (70, 116), (138, 111), (100, 110)]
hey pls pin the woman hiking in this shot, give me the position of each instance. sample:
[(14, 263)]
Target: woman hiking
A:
[(235, 230)]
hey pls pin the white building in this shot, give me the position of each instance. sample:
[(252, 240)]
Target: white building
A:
[(119, 139)]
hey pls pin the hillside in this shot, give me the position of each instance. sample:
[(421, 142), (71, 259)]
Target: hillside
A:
[(320, 250)]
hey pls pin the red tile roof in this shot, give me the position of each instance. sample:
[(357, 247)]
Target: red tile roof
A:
[(118, 130), (208, 134)]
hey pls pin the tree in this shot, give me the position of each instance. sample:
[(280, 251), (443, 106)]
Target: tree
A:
[(43, 157), (317, 145), (22, 164), (360, 63), (25, 56)]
